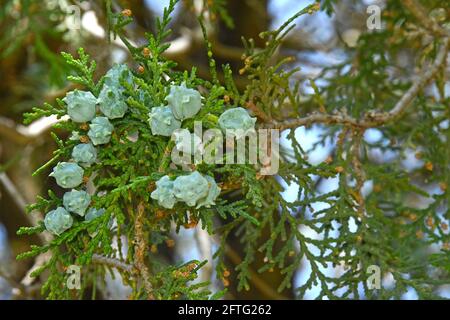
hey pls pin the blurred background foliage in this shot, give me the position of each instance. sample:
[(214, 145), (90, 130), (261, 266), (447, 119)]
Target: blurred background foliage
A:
[(359, 70)]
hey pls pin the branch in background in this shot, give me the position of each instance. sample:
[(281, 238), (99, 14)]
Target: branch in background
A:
[(19, 291), (182, 45), (313, 118), (21, 203), (420, 13), (255, 277), (40, 260), (15, 195), (372, 119), (24, 134), (113, 262), (12, 131), (427, 74)]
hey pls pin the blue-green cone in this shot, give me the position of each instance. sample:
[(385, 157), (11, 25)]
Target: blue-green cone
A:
[(164, 193), (76, 201), (68, 174), (190, 188), (236, 121), (84, 154), (184, 102), (93, 213), (213, 193), (80, 105), (162, 122), (100, 130), (57, 221), (112, 102)]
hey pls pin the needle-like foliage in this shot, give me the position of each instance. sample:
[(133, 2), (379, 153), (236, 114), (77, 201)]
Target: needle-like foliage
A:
[(338, 235)]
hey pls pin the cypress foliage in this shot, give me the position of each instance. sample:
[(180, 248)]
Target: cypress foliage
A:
[(353, 229)]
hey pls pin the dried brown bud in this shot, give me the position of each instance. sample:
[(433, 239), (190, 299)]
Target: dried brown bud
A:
[(160, 214), (170, 243), (430, 222), (127, 12), (339, 169), (146, 52), (191, 224)]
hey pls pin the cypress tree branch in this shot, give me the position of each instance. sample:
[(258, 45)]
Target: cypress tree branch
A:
[(141, 249), (427, 74), (421, 15), (373, 119), (313, 118), (278, 233), (113, 262)]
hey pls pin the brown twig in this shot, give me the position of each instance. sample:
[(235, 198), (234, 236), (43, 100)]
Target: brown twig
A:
[(373, 119), (427, 74), (420, 13), (10, 130), (21, 134), (39, 261), (310, 119), (113, 262), (141, 249), (20, 202), (257, 111)]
